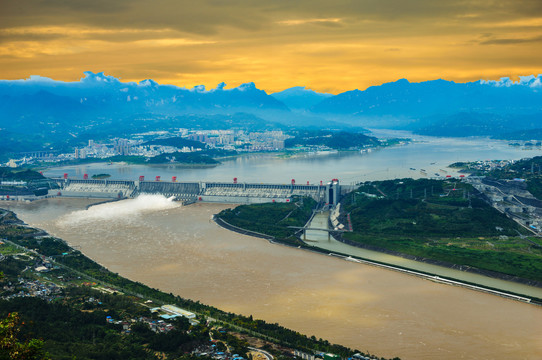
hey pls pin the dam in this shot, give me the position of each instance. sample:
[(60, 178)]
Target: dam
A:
[(192, 192)]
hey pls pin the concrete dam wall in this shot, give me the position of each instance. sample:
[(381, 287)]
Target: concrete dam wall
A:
[(216, 192)]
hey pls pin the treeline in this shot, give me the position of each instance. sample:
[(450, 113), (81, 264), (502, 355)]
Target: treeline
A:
[(76, 327), (335, 140), (183, 158), (8, 174)]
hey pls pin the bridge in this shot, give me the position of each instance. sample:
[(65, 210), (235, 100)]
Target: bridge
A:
[(191, 192)]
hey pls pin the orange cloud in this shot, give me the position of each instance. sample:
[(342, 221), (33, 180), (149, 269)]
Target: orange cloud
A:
[(327, 46)]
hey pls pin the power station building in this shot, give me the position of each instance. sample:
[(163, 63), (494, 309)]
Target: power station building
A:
[(333, 192)]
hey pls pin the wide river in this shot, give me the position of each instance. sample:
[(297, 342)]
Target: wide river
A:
[(179, 250), (428, 153)]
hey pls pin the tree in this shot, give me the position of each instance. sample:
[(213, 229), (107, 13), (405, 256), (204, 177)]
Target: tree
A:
[(10, 346)]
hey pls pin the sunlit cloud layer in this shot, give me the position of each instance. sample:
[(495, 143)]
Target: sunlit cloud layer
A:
[(309, 21), (330, 46)]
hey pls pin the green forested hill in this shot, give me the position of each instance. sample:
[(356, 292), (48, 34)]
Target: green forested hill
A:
[(441, 220)]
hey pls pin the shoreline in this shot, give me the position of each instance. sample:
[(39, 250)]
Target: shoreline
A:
[(286, 153), (428, 275), (425, 275), (465, 268), (127, 286)]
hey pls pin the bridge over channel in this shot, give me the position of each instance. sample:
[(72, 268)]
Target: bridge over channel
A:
[(190, 192)]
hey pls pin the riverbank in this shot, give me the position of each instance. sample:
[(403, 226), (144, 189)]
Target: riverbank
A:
[(391, 266), (57, 251), (448, 265), (179, 250)]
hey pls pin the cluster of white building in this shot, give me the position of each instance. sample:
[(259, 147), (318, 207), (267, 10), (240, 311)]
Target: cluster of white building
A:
[(489, 165), (240, 140)]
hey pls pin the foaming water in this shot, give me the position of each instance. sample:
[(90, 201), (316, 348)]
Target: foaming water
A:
[(124, 211)]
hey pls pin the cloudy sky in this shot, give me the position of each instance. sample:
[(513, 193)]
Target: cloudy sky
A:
[(330, 46)]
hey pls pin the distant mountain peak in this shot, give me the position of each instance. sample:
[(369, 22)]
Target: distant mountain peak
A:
[(38, 78), (198, 89), (98, 78), (300, 98), (148, 82), (404, 99), (246, 86), (530, 81), (220, 86)]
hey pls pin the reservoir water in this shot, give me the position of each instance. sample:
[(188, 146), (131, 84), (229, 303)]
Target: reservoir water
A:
[(180, 250), (431, 154)]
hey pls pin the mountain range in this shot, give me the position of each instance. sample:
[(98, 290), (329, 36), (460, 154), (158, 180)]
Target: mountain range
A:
[(102, 104)]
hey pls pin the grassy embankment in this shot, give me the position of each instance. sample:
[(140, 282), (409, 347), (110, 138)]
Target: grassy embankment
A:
[(272, 218)]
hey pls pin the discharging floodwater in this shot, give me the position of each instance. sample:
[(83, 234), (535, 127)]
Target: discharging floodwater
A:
[(180, 250), (322, 240)]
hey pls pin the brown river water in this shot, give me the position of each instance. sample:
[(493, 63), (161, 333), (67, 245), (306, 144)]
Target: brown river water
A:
[(180, 250)]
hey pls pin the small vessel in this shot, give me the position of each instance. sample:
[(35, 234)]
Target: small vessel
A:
[(412, 169)]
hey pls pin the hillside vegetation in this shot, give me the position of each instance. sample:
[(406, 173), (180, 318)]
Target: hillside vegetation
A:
[(335, 140), (272, 219), (441, 220)]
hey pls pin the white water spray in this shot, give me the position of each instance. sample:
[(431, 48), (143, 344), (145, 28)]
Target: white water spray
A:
[(124, 210)]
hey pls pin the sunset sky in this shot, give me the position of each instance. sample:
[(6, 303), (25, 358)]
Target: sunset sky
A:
[(329, 46)]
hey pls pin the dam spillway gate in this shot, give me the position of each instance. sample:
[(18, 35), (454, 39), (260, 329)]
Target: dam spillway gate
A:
[(188, 192)]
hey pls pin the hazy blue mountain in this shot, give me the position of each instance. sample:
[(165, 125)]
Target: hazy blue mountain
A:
[(101, 104), (102, 93), (300, 98), (529, 134), (442, 108), (403, 98)]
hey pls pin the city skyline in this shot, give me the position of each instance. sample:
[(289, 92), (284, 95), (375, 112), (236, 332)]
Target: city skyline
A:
[(325, 46)]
